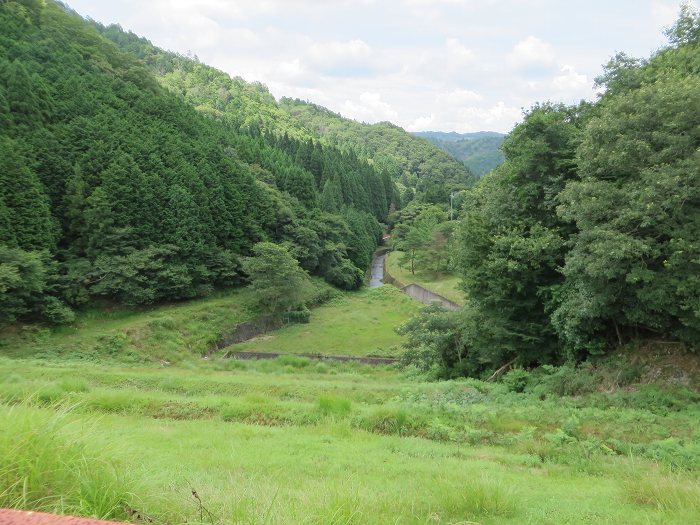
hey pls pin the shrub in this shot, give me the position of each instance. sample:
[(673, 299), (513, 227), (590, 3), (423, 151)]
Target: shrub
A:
[(387, 420), (565, 380), (478, 497), (164, 323), (301, 316), (294, 361), (667, 494), (56, 312), (345, 275), (517, 380)]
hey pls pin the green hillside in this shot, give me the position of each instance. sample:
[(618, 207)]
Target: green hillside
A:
[(415, 164), (115, 189), (479, 151)]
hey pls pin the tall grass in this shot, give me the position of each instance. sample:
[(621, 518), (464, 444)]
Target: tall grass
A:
[(665, 493), (45, 466)]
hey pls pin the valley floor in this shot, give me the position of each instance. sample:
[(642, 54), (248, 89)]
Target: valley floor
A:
[(99, 430)]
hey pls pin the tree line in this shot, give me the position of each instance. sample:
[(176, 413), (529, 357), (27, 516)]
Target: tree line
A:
[(587, 237)]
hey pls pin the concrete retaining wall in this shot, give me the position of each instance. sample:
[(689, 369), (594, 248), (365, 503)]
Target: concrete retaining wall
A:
[(419, 293), (427, 297), (249, 329)]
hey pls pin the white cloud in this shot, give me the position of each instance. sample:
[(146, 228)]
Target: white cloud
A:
[(570, 80), (352, 53), (532, 52), (458, 97), (370, 108), (458, 52), (422, 123), (497, 116), (291, 70)]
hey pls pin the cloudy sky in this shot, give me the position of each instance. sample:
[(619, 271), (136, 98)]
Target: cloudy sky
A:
[(448, 65)]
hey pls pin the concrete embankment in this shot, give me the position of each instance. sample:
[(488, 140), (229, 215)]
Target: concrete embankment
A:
[(416, 291)]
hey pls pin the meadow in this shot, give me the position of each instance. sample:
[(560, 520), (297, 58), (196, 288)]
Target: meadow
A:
[(355, 324), (442, 283), (167, 434)]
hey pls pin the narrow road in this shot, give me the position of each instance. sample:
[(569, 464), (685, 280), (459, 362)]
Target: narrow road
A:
[(377, 277)]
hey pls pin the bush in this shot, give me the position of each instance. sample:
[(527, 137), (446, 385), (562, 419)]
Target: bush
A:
[(565, 380), (56, 312), (301, 316), (293, 361), (387, 420), (345, 275), (517, 380)]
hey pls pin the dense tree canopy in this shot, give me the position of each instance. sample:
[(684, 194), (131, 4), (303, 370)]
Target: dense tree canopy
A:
[(112, 187), (416, 165), (586, 238)]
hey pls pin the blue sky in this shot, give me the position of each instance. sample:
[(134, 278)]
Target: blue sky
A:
[(448, 65)]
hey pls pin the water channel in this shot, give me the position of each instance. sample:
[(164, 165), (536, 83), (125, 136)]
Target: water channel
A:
[(377, 276)]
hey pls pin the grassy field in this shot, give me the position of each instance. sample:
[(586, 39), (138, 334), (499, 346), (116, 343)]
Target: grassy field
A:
[(293, 440), (358, 324), (445, 284)]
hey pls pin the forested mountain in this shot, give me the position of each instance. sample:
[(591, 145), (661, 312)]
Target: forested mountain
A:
[(112, 187), (414, 162), (417, 166), (480, 152), (587, 236)]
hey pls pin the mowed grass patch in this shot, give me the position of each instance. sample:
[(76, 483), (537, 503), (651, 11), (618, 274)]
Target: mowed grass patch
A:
[(442, 283), (356, 324)]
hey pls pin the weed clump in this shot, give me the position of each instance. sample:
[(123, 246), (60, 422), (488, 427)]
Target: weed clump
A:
[(667, 494), (334, 406), (387, 420), (45, 466)]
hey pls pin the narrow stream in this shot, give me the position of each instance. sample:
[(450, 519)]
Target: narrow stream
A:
[(377, 278)]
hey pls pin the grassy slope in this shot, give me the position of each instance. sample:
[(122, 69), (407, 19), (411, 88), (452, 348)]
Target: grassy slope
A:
[(163, 333), (297, 441), (292, 441), (359, 324), (445, 284)]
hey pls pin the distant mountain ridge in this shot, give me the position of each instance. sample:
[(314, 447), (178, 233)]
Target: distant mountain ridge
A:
[(454, 136), (479, 151), (413, 163)]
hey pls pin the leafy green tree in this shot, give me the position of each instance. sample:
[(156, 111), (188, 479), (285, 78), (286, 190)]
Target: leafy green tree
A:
[(416, 235), (142, 276), (511, 243), (275, 277), (25, 201), (633, 266), (22, 282)]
